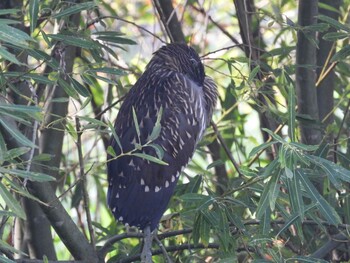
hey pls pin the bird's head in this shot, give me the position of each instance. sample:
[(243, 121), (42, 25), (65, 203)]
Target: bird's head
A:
[(180, 58)]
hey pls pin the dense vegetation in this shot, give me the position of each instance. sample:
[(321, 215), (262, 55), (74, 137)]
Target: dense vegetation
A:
[(270, 180)]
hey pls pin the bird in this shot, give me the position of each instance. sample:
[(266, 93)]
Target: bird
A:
[(164, 116)]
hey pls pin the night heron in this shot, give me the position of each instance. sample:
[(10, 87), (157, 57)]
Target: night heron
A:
[(164, 116)]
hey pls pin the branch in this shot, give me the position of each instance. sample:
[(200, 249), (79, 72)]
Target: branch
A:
[(226, 149), (83, 181), (169, 19)]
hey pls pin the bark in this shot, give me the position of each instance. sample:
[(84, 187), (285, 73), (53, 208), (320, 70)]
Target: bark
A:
[(253, 47), (325, 89), (306, 74), (169, 19)]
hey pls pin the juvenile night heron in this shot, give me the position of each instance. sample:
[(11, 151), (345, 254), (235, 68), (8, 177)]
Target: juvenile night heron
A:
[(175, 89)]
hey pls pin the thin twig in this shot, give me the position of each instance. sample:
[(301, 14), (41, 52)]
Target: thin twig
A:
[(83, 181), (35, 129), (125, 21), (226, 149)]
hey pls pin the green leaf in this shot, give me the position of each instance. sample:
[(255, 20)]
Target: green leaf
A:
[(112, 71), (118, 40), (14, 36), (115, 136), (253, 73), (325, 209), (274, 190), (333, 23), (17, 135), (80, 88), (341, 54), (9, 11), (9, 56), (263, 204), (274, 135), (11, 202), (111, 151), (33, 14), (150, 158), (157, 127), (260, 148), (4, 21), (136, 123), (15, 153), (71, 92), (158, 149), (76, 41), (291, 112), (334, 36), (335, 171), (75, 9), (305, 259), (6, 260), (32, 176)]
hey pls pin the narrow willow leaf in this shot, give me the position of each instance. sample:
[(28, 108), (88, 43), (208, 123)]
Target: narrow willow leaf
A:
[(15, 153), (9, 56), (17, 135), (71, 92), (150, 158), (32, 176), (9, 11), (136, 123), (115, 136), (11, 202), (291, 112), (14, 36), (336, 24), (274, 135), (274, 190), (158, 149), (74, 41), (4, 21), (341, 54), (334, 36), (263, 204), (112, 71), (218, 163), (157, 126), (333, 168), (75, 9), (265, 225), (118, 40), (304, 259), (325, 209), (261, 148), (111, 151), (80, 89), (6, 260), (33, 14), (335, 172), (253, 73)]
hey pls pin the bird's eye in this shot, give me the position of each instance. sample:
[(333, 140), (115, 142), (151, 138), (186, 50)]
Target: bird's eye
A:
[(194, 62)]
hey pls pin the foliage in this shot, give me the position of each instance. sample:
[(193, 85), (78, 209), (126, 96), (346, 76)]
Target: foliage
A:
[(256, 188)]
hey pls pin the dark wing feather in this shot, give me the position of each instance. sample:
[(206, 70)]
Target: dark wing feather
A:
[(139, 190)]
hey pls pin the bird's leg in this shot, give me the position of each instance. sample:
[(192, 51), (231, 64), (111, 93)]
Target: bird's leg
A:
[(146, 254), (161, 246)]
